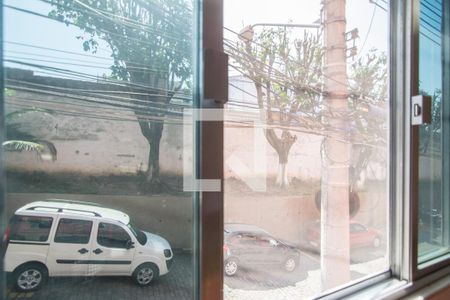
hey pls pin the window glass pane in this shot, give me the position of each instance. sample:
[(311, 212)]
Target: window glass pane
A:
[(95, 92), (306, 146), (113, 236), (433, 203), (30, 228), (73, 231)]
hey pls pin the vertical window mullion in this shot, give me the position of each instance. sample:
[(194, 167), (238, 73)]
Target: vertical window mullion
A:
[(211, 158)]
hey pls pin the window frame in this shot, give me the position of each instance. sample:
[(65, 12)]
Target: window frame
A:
[(209, 138), (403, 276), (428, 267)]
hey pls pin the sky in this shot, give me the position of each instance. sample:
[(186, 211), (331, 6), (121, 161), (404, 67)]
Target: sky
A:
[(369, 19), (240, 13), (33, 30), (25, 28)]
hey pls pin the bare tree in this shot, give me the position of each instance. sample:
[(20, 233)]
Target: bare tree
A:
[(286, 74)]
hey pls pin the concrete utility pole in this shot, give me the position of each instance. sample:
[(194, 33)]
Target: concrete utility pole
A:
[(335, 242)]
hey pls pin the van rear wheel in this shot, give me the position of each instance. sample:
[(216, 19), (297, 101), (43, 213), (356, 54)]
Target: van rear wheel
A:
[(30, 277)]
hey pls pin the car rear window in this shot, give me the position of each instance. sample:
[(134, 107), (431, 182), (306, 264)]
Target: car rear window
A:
[(30, 228), (73, 231)]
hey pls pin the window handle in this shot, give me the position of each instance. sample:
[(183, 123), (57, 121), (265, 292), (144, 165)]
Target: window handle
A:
[(97, 251), (421, 107), (83, 250)]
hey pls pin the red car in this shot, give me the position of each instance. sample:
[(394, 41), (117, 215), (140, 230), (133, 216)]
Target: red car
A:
[(360, 236)]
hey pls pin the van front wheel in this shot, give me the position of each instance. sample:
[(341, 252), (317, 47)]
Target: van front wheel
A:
[(145, 274), (30, 277)]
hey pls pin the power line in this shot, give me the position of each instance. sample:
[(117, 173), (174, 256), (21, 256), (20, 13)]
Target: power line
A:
[(77, 54), (102, 94), (98, 12), (271, 68), (87, 27), (82, 75), (292, 60), (369, 29), (96, 100), (135, 69)]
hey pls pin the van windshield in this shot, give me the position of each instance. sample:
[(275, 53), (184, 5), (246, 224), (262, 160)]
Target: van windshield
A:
[(140, 236)]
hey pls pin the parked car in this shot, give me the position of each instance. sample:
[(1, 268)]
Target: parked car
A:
[(73, 238), (360, 236), (250, 246)]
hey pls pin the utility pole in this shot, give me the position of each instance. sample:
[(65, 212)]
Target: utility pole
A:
[(335, 219)]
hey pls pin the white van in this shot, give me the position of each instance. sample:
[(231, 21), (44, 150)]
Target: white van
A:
[(73, 238)]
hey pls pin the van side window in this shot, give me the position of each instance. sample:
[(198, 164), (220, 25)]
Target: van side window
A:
[(112, 236), (28, 228), (73, 231)]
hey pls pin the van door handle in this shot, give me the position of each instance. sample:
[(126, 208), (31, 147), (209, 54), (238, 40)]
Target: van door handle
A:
[(97, 251), (83, 250)]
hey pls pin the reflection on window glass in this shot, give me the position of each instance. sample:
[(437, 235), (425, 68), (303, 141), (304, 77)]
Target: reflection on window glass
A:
[(306, 146), (73, 231), (30, 228), (110, 235), (432, 203), (94, 98)]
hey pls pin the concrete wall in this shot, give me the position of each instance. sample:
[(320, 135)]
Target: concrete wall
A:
[(286, 217), (89, 139), (103, 140)]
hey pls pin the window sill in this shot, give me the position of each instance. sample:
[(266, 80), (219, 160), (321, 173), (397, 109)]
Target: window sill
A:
[(426, 288)]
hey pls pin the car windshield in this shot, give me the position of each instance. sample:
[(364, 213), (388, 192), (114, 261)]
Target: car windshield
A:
[(140, 236)]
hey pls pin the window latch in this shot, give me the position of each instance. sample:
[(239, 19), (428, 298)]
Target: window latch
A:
[(421, 110)]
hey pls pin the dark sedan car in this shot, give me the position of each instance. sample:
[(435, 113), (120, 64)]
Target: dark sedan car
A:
[(251, 246)]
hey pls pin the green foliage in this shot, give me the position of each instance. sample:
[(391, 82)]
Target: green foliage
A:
[(368, 77), (148, 39), (9, 92), (17, 140), (368, 85), (14, 145)]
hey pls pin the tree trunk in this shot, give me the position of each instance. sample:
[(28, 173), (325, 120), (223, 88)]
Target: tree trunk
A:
[(151, 122), (152, 131), (156, 129), (282, 177), (282, 146)]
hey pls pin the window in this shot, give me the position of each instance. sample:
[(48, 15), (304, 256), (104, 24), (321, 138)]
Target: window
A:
[(73, 231), (267, 241), (307, 143), (33, 229), (316, 136), (433, 197), (357, 228), (94, 99), (112, 236)]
